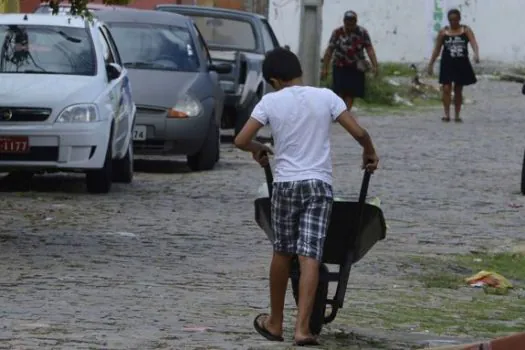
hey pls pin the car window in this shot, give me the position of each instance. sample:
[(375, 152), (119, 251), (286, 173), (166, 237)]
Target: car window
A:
[(111, 44), (267, 40), (106, 51), (270, 40), (46, 50), (203, 45), (226, 32), (155, 46)]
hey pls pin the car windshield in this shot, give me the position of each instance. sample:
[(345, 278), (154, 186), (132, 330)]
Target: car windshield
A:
[(154, 46), (46, 50), (226, 32)]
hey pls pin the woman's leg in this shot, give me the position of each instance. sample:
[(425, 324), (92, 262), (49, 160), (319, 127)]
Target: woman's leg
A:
[(447, 90), (458, 101)]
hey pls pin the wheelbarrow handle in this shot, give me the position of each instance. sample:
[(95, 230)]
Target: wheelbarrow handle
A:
[(362, 201), (269, 178), (364, 187)]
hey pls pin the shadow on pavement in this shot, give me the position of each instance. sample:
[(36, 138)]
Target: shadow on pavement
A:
[(161, 166), (62, 182)]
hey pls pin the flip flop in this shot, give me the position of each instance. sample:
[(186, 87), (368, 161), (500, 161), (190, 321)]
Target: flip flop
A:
[(445, 119), (307, 342), (261, 329), (458, 120)]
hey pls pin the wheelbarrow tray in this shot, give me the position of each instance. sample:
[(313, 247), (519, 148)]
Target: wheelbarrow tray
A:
[(343, 236)]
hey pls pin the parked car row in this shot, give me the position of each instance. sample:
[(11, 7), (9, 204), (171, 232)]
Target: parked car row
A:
[(85, 96)]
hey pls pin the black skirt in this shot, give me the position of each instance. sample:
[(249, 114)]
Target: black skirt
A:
[(458, 71), (348, 81)]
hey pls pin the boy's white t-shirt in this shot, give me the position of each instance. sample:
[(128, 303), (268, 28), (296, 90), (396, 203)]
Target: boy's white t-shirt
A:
[(300, 118)]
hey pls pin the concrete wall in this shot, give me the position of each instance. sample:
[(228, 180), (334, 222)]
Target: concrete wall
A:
[(403, 30)]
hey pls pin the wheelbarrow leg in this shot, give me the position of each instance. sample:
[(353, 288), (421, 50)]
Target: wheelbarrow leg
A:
[(342, 281), (317, 318)]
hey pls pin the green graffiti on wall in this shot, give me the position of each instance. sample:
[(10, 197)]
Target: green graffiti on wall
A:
[(437, 16)]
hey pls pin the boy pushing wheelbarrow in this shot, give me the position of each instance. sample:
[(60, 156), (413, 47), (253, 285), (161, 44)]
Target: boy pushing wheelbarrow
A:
[(300, 119)]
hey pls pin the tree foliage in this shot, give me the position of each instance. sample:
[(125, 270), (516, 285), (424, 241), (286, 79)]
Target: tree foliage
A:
[(80, 7)]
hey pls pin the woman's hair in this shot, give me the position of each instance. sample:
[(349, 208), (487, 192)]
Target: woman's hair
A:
[(454, 12), (281, 64)]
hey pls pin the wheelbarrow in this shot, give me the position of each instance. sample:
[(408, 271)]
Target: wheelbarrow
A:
[(355, 227)]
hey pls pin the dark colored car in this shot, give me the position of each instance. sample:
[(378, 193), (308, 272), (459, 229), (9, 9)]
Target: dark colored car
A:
[(240, 38), (175, 84)]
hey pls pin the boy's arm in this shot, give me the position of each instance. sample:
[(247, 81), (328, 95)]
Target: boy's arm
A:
[(244, 139), (340, 114), (370, 159)]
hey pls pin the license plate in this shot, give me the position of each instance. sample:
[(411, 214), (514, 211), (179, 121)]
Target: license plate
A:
[(14, 144), (139, 133)]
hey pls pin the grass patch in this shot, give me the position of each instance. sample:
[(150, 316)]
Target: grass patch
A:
[(381, 93), (396, 69), (464, 312), (450, 272), (441, 303), (518, 70)]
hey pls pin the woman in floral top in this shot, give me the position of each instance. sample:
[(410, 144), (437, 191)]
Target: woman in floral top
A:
[(346, 47)]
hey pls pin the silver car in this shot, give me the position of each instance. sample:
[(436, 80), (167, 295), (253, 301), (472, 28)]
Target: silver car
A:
[(175, 85), (65, 100)]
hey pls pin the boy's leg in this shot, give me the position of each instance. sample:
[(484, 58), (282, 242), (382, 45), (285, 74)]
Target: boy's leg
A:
[(313, 225), (279, 273), (285, 222)]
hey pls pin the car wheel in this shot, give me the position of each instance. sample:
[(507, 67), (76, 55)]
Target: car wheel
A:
[(523, 175), (99, 180), (218, 145), (123, 168), (206, 158)]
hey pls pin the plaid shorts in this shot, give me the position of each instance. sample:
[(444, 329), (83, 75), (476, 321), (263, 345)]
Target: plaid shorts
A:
[(300, 216)]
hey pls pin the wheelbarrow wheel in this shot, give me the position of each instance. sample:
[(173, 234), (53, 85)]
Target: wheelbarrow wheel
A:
[(318, 313)]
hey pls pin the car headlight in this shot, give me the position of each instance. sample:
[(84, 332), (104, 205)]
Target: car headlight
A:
[(79, 114), (186, 107)]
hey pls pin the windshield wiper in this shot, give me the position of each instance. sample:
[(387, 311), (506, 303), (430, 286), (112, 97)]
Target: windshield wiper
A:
[(69, 38), (34, 71)]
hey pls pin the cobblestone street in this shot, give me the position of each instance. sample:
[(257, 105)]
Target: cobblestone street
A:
[(176, 261)]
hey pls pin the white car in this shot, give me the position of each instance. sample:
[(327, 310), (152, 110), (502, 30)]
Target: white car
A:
[(65, 100)]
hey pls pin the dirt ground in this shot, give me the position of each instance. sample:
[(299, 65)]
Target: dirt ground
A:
[(176, 261)]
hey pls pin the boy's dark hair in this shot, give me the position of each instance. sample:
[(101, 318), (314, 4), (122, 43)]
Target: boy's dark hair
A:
[(281, 64)]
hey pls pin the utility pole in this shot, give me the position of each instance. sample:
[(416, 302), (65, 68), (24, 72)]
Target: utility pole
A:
[(310, 29)]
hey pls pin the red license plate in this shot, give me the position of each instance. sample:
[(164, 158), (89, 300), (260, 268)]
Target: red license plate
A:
[(14, 144)]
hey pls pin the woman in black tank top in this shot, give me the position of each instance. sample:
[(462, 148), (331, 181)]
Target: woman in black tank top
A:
[(455, 67)]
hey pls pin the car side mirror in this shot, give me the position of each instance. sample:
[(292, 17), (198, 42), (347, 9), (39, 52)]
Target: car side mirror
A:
[(113, 71), (221, 68)]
